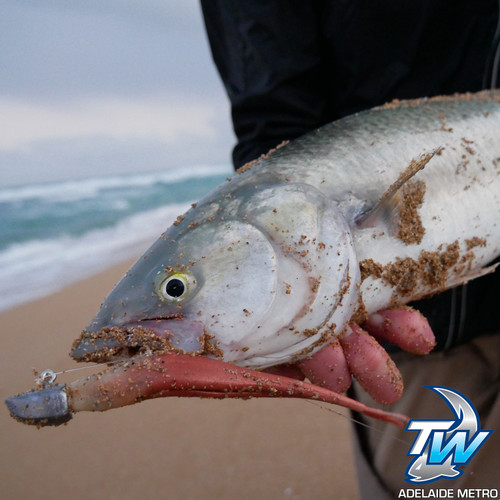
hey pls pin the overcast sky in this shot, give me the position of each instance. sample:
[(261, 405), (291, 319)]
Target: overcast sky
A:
[(93, 87)]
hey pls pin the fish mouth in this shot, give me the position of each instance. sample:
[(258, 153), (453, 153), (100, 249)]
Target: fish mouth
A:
[(139, 338)]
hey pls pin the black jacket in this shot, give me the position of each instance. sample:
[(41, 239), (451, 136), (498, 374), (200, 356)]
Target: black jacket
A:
[(289, 66)]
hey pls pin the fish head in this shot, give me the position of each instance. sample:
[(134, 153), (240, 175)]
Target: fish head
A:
[(253, 275)]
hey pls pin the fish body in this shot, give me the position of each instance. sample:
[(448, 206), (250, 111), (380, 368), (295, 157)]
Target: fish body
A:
[(377, 209)]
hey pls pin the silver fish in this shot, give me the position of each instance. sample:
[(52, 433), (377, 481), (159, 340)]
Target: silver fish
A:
[(377, 209)]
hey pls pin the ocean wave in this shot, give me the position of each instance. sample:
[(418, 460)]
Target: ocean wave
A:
[(90, 188), (37, 268)]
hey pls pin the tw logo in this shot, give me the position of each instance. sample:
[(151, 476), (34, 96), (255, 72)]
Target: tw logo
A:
[(442, 445)]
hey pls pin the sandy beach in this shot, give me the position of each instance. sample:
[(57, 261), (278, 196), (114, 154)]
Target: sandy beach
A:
[(167, 448)]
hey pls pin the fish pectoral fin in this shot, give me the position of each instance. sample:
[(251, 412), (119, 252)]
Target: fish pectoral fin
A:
[(463, 279), (388, 208)]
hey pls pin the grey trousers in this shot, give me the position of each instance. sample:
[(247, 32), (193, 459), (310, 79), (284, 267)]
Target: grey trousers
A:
[(381, 449)]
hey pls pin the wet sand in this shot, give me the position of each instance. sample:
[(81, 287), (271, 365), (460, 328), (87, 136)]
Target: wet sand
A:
[(169, 448)]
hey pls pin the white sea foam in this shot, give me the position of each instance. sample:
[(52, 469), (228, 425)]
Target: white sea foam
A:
[(90, 188), (38, 268)]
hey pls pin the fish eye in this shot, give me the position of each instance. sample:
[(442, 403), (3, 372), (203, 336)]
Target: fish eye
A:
[(175, 287)]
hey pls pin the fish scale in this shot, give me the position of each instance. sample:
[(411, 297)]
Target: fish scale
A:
[(353, 161)]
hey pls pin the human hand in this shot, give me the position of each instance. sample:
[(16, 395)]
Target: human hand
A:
[(359, 354)]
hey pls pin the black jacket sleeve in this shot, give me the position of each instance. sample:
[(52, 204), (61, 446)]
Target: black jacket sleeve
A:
[(292, 65), (269, 57)]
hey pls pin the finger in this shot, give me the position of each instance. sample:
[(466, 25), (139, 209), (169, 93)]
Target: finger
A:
[(406, 328), (328, 368), (371, 365)]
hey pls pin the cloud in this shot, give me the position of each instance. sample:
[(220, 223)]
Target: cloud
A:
[(95, 88), (84, 157), (166, 118), (91, 137), (58, 49)]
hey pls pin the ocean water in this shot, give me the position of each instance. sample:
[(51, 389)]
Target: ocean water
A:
[(57, 233)]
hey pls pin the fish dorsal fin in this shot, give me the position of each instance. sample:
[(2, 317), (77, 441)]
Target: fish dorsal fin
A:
[(404, 194)]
